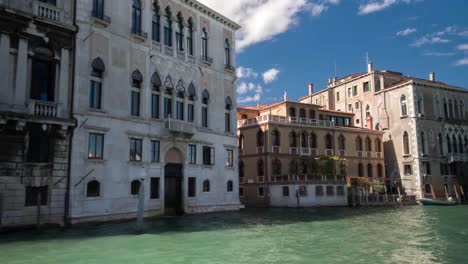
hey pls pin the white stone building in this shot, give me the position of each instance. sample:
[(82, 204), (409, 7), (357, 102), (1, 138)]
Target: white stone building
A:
[(155, 104), (36, 62)]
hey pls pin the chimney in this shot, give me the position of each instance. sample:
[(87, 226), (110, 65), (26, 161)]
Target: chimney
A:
[(382, 82), (311, 89), (370, 122), (432, 76), (370, 67)]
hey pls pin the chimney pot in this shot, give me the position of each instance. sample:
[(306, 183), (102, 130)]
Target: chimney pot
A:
[(311, 88), (370, 67), (432, 76)]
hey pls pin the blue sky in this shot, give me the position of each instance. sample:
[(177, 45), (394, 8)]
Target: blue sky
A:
[(310, 36)]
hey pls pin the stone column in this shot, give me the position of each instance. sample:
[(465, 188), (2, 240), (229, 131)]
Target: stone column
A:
[(21, 73), (161, 103), (64, 83), (197, 111), (174, 102), (5, 63), (173, 36), (185, 108)]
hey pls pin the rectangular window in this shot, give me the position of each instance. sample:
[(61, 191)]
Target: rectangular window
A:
[(427, 168), (190, 113), (167, 107), (338, 96), (302, 191), (227, 122), (340, 190), (229, 158), (350, 92), (408, 170), (356, 105), (98, 9), (205, 116), (330, 190), (155, 28), (155, 150), (95, 146), (135, 103), (36, 196), (285, 191), (180, 110), (192, 154), (366, 87), (192, 187), (260, 192), (318, 190), (355, 90), (95, 95), (43, 81), (208, 156), (135, 149), (154, 188), (350, 107), (155, 106)]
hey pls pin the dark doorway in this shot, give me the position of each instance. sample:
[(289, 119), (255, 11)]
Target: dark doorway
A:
[(173, 189)]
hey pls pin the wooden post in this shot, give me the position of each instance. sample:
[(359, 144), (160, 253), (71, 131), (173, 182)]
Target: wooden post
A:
[(432, 191), (456, 193), (399, 196), (446, 192)]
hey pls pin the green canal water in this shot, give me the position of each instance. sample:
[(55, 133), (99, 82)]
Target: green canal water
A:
[(323, 235)]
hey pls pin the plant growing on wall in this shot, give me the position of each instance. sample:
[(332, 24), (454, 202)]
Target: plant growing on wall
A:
[(312, 167), (293, 167)]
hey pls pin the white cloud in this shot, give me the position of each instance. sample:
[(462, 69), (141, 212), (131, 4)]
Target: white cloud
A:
[(372, 6), (463, 47), (249, 92), (318, 7), (439, 54), (462, 62), (261, 20), (429, 40), (463, 34), (243, 72), (406, 32), (271, 75)]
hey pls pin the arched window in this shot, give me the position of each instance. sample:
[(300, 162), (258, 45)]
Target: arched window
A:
[(328, 141), (454, 144), (466, 143), (275, 138), (379, 170), (241, 169), (341, 142), (427, 188), (449, 144), (227, 53), (277, 168), (450, 104), (445, 109), (137, 79), (135, 187), (403, 105), (406, 146), (312, 114), (155, 95), (422, 137), (436, 106), (205, 99), (302, 113), (370, 172), (95, 89), (368, 110), (241, 142), (227, 114), (440, 139), (419, 105), (43, 77), (368, 144), (230, 186), (360, 170), (190, 37), (460, 145), (167, 24), (180, 32), (136, 17), (359, 144), (260, 168), (304, 143), (378, 145), (292, 139), (292, 112), (206, 186), (204, 39), (156, 23), (93, 189), (313, 141), (260, 138)]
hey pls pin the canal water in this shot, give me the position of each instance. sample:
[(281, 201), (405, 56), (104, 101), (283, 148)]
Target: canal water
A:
[(324, 235)]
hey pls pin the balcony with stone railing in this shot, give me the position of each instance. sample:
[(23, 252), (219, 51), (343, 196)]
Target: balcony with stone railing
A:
[(179, 126), (169, 51), (264, 119), (457, 157), (48, 12), (207, 60), (43, 109), (181, 55)]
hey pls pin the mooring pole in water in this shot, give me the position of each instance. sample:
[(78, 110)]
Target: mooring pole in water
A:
[(456, 194), (399, 196), (141, 205)]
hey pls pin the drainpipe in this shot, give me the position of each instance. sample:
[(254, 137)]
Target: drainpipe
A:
[(66, 214)]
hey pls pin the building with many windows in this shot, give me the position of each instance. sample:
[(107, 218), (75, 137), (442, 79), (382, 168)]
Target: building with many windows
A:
[(425, 125), (298, 154), (36, 65), (154, 103)]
